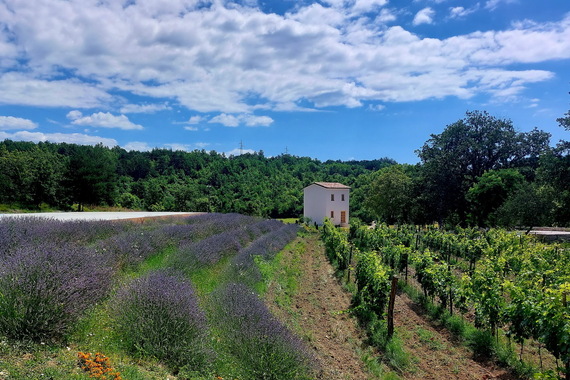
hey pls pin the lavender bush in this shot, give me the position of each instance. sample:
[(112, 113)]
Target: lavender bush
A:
[(131, 248), (43, 290), (31, 231), (264, 346), (193, 255), (158, 316), (243, 266)]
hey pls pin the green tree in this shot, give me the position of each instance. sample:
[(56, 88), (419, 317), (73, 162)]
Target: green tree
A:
[(489, 192), (92, 175), (454, 159), (531, 205), (389, 196)]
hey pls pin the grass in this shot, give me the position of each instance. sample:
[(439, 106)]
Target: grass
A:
[(429, 339)]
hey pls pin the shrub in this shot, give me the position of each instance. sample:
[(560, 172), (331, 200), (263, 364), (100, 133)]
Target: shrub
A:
[(158, 316), (43, 290), (263, 345), (266, 247)]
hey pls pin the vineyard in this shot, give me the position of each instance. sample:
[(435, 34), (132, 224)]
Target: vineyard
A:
[(172, 298), (503, 293)]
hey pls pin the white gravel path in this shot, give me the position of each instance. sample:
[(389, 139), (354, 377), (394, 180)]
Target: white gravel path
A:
[(96, 215)]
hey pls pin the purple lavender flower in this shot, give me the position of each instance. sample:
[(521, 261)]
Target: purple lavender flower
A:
[(264, 346), (158, 316), (45, 289)]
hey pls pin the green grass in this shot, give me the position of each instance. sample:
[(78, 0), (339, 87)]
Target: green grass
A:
[(283, 271), (289, 220), (207, 279), (429, 339)]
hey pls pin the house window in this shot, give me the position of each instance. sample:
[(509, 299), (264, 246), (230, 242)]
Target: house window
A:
[(332, 214), (332, 197), (342, 197)]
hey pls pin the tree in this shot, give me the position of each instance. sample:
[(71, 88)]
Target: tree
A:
[(489, 192), (531, 205), (389, 195), (453, 160), (92, 175)]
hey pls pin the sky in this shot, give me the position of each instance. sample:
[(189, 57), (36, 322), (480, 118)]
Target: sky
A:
[(330, 79)]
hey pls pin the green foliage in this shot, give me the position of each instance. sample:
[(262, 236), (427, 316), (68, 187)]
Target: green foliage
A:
[(390, 195), (252, 184), (489, 192), (373, 281), (464, 151)]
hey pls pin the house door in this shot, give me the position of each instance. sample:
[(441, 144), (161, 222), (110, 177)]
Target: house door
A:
[(343, 217)]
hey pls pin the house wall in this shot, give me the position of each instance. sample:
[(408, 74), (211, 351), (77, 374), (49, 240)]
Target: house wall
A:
[(314, 204), (318, 204), (337, 205)]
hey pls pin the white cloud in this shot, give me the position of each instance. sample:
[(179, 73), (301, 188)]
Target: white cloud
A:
[(241, 119), (23, 89), (216, 59), (257, 121), (178, 146), (363, 6), (11, 122), (138, 146), (460, 12), (145, 147), (144, 108), (193, 129), (376, 107), (226, 120), (196, 119), (424, 16), (103, 120), (71, 138), (186, 147), (385, 16), (201, 145), (493, 4)]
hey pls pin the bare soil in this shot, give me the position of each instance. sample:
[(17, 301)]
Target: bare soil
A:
[(318, 312)]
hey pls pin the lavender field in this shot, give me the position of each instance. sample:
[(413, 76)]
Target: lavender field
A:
[(170, 298)]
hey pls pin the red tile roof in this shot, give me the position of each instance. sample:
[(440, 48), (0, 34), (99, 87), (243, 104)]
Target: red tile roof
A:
[(332, 185)]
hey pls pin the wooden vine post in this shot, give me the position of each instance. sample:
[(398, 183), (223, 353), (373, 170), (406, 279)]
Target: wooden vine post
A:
[(391, 306)]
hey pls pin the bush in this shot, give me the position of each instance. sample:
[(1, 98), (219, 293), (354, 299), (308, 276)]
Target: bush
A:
[(263, 345), (43, 290), (267, 246), (158, 316)]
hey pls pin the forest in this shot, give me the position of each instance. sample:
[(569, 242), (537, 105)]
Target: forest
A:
[(480, 171)]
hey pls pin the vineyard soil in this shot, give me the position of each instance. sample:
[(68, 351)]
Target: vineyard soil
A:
[(317, 311)]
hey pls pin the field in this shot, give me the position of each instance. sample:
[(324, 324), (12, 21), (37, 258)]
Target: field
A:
[(167, 298), (226, 296)]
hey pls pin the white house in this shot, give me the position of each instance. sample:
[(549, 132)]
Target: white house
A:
[(327, 200)]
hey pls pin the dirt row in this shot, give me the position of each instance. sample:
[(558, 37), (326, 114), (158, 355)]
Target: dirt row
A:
[(318, 312)]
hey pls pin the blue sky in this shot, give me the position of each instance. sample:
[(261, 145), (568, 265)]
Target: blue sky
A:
[(330, 79)]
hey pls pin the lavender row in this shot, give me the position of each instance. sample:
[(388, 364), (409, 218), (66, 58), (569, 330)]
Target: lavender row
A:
[(243, 266), (196, 254), (158, 316), (44, 289), (31, 231), (265, 347)]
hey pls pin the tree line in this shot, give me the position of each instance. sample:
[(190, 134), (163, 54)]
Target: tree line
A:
[(66, 176), (479, 171)]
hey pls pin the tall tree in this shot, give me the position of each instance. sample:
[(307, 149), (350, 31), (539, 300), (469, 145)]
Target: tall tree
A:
[(454, 159), (390, 195), (92, 175)]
